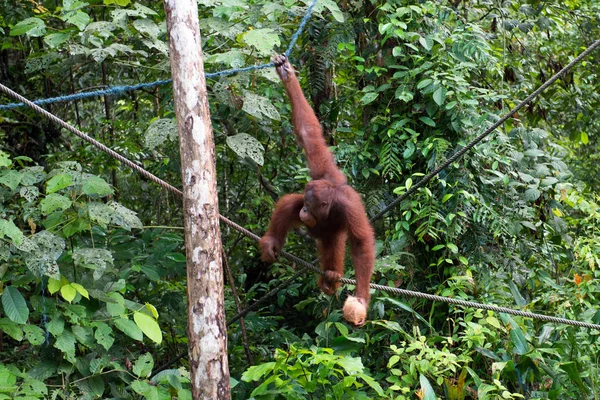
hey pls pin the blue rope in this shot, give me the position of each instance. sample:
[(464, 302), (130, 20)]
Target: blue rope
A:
[(116, 90), (44, 311)]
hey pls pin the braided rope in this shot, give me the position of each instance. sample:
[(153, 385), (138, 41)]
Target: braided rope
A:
[(116, 90)]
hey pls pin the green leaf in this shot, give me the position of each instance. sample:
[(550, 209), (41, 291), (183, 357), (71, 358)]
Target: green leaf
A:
[(256, 372), (548, 181), (427, 391), (54, 202), (259, 106), (143, 365), (10, 178), (7, 381), (369, 98), (33, 388), (263, 40), (8, 228), (332, 6), (532, 194), (124, 217), (84, 334), (56, 326), (424, 83), (145, 389), (68, 292), (427, 121), (409, 150), (54, 40), (14, 305), (11, 329), (147, 27), (403, 94), (31, 26), (372, 383), (104, 335), (78, 18), (116, 309), (439, 96), (521, 346), (34, 334), (584, 138), (81, 290), (65, 342), (94, 186), (151, 272), (121, 3), (129, 328), (426, 42), (95, 259), (58, 182), (5, 160), (100, 213), (245, 145), (149, 326), (352, 365), (572, 371), (54, 285)]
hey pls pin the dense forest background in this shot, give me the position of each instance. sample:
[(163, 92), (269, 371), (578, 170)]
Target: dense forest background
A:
[(92, 265)]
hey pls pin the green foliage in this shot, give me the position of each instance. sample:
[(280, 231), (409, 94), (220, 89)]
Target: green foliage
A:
[(93, 306)]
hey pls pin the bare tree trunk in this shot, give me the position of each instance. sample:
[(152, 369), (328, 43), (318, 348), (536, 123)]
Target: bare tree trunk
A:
[(207, 332)]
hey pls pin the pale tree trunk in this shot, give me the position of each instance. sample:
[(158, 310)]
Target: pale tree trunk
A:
[(207, 332)]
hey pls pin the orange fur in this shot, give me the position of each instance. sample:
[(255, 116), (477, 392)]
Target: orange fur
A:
[(331, 209)]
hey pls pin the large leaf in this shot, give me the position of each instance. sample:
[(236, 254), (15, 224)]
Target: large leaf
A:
[(439, 96), (129, 328), (10, 178), (124, 217), (256, 372), (332, 6), (149, 326), (245, 145), (259, 106), (96, 259), (11, 329), (54, 202), (14, 305), (427, 392), (29, 26), (65, 342), (40, 253), (94, 186), (263, 40), (58, 182), (143, 365), (34, 334), (104, 335), (520, 344), (8, 228), (68, 292)]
